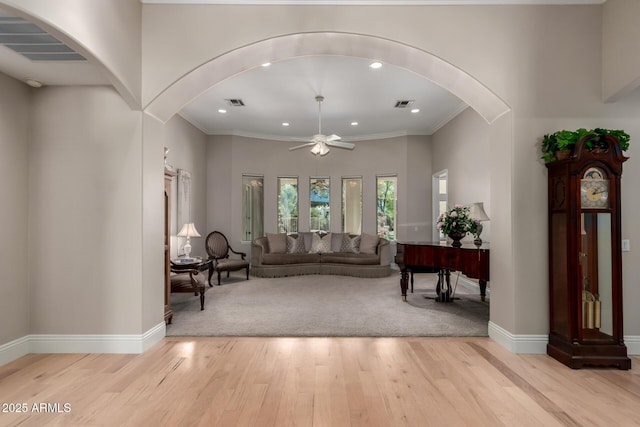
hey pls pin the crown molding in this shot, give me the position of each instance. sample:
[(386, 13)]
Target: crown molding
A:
[(381, 2)]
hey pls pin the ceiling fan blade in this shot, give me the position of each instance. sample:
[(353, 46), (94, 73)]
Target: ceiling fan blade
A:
[(341, 144), (308, 144), (333, 137)]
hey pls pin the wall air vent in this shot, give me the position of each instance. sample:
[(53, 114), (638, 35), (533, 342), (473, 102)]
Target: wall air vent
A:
[(33, 42), (404, 104), (235, 102)]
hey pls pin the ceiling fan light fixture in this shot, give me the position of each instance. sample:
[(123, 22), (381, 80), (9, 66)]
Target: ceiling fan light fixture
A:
[(321, 142), (320, 149)]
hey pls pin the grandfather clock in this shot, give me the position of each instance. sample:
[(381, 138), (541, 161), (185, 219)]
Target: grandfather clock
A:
[(585, 267)]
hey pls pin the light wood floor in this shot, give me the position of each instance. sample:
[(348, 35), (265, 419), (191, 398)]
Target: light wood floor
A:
[(319, 382)]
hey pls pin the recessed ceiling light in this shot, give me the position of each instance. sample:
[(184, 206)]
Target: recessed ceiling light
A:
[(375, 65), (415, 110), (354, 123), (266, 64), (285, 124), (222, 111)]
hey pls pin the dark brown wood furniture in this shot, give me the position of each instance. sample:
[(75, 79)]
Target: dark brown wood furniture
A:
[(416, 257), (168, 178), (188, 278), (585, 259), (218, 249)]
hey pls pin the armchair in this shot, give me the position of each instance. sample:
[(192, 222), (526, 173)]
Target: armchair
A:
[(218, 248), (188, 280)]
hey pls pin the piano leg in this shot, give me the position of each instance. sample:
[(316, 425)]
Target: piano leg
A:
[(404, 281), (483, 289), (443, 288)]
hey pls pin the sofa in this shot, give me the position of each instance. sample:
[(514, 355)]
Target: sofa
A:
[(279, 255)]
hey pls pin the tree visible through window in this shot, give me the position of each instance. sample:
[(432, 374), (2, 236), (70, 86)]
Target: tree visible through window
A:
[(319, 198), (287, 205), (386, 206)]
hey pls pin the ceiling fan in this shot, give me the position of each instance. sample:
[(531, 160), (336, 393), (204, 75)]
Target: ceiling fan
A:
[(322, 142)]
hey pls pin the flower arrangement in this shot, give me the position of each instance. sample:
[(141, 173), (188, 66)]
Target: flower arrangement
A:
[(457, 221)]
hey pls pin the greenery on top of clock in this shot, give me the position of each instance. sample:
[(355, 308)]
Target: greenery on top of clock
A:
[(566, 140), (457, 220)]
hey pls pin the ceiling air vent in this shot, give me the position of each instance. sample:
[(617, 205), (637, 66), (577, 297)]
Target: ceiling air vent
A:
[(403, 104), (235, 102), (33, 42)]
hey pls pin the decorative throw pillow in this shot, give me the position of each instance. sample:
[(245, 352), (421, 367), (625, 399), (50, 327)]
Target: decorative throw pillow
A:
[(336, 241), (306, 236), (368, 243), (295, 245), (277, 243), (320, 244), (350, 244)]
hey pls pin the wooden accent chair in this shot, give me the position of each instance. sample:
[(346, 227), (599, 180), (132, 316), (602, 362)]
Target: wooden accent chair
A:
[(218, 249), (188, 280)]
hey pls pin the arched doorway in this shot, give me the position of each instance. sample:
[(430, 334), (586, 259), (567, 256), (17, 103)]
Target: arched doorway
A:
[(487, 104)]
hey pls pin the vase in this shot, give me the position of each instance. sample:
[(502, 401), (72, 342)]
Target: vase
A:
[(456, 237)]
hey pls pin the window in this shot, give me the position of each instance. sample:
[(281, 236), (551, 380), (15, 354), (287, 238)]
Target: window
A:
[(252, 207), (440, 200), (319, 196), (386, 203), (287, 205), (352, 205)]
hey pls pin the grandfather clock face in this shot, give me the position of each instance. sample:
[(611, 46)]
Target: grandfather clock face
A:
[(594, 189)]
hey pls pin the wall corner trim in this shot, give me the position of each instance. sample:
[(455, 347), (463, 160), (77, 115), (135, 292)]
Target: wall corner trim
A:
[(128, 344)]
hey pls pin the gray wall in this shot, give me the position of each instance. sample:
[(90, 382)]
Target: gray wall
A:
[(188, 148), (14, 289), (85, 212), (229, 157)]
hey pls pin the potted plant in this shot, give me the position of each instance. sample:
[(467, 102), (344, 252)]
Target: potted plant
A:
[(456, 223), (559, 145)]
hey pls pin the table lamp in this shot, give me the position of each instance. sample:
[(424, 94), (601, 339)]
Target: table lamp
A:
[(188, 230), (477, 213)]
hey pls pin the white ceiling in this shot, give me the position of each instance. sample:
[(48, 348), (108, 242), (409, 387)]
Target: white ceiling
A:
[(285, 91), (354, 92)]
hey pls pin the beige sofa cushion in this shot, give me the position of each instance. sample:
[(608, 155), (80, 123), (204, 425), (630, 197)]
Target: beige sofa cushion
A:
[(352, 259), (277, 243), (368, 243), (283, 259)]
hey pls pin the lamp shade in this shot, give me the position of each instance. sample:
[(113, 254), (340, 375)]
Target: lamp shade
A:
[(477, 212), (188, 230)]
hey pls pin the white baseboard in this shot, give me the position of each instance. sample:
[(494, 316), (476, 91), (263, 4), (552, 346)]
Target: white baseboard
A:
[(537, 344), (130, 344), (519, 344), (14, 350), (633, 345)]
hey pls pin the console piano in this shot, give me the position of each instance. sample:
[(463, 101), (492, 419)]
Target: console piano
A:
[(422, 257)]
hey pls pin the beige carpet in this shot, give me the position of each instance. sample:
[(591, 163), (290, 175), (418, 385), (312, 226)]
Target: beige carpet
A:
[(328, 306)]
